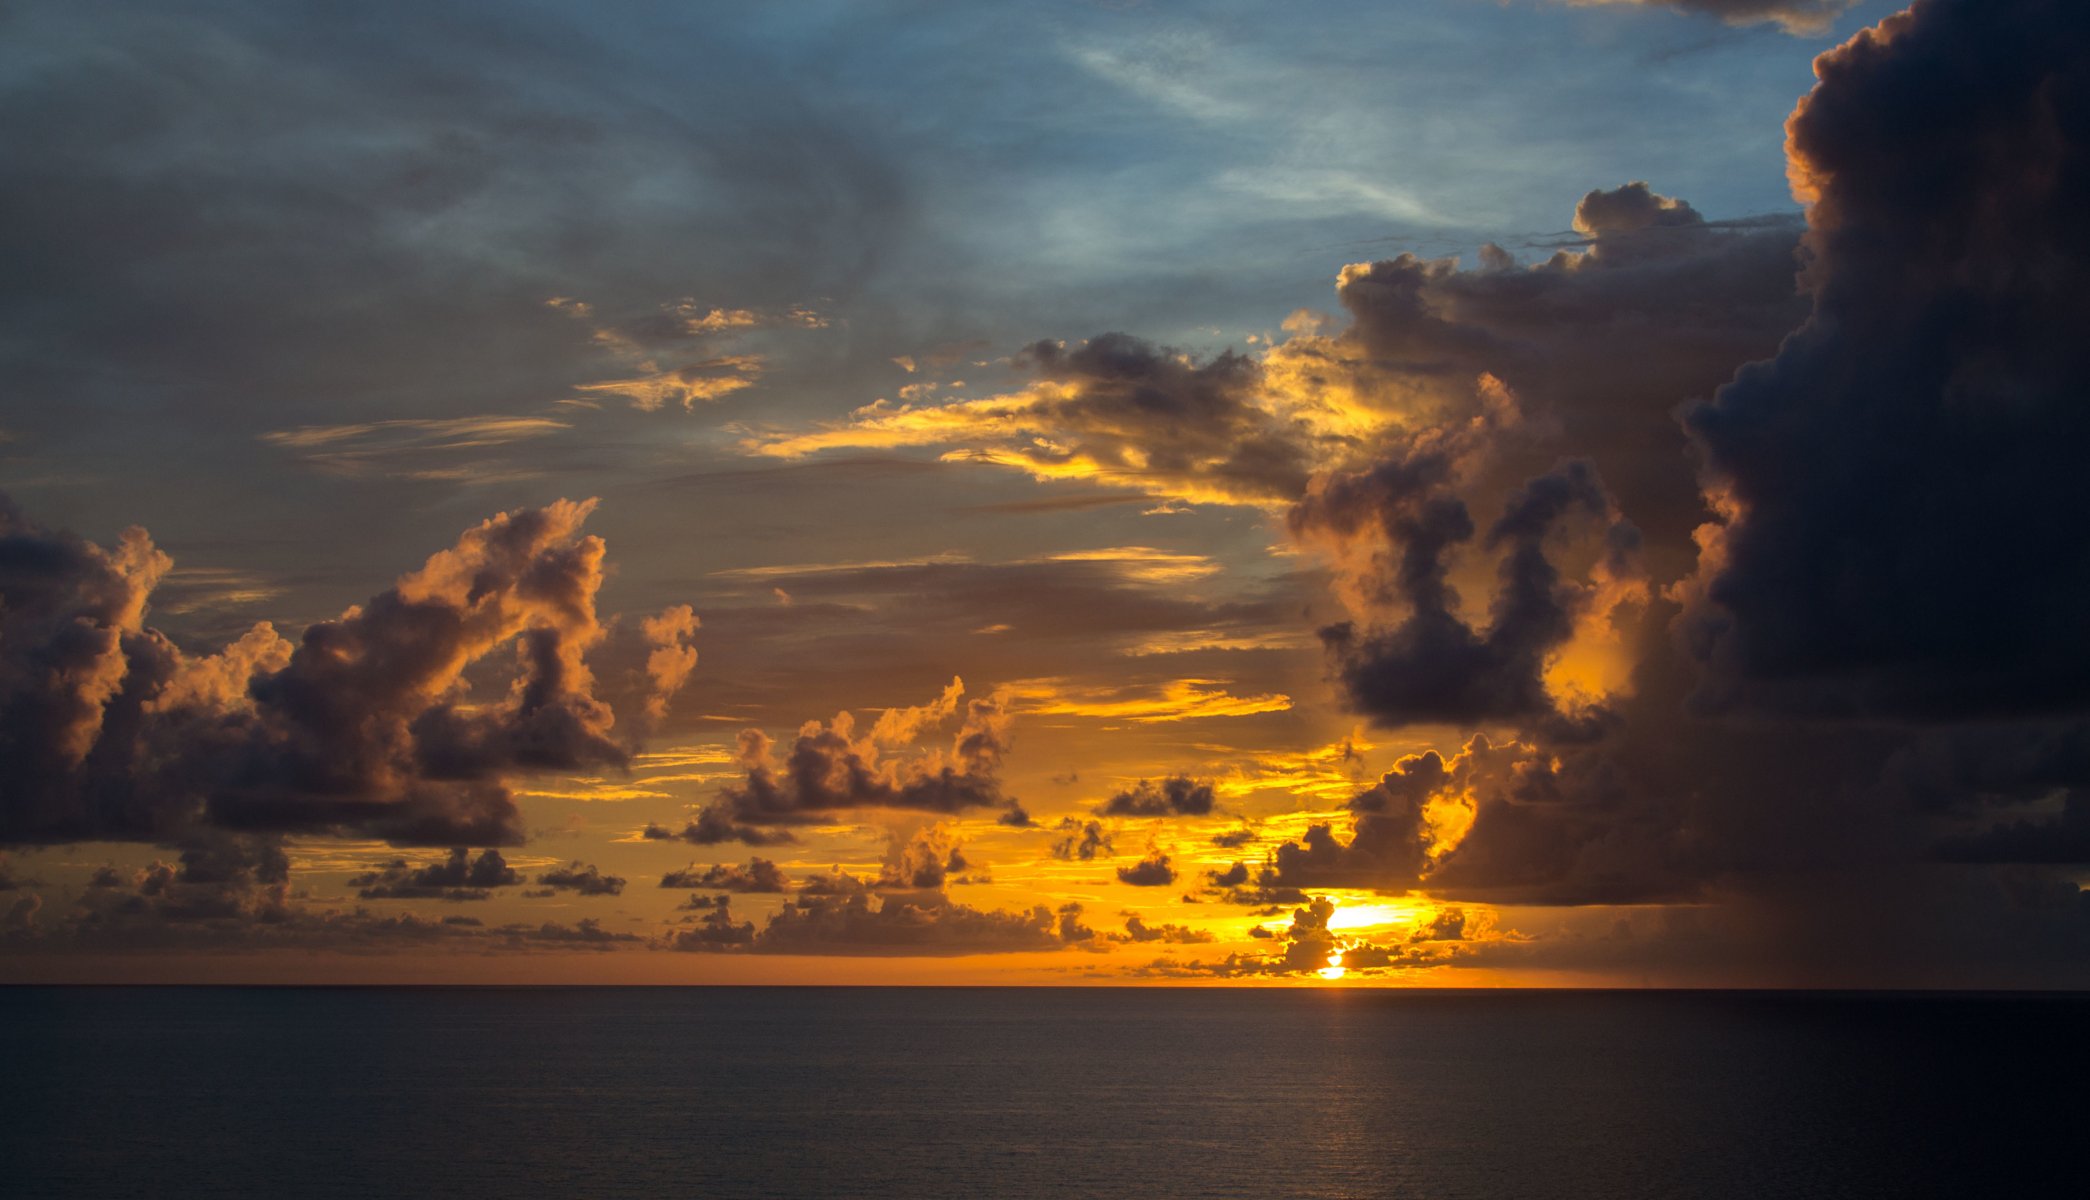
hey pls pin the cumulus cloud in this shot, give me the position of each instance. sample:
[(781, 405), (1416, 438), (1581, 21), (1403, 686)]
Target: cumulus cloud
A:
[(715, 930), (1174, 796), (671, 658), (459, 877), (1152, 871), (860, 921), (928, 858), (833, 768), (1082, 840), (923, 924), (759, 875), (367, 724), (1137, 930), (585, 880)]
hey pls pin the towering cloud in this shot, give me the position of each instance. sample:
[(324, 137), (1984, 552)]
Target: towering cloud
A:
[(1896, 483), (375, 723)]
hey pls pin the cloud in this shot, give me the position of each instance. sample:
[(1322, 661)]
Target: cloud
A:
[(714, 931), (840, 915), (1171, 700), (715, 825), (929, 858), (923, 924), (1429, 664), (1137, 930), (1794, 16), (586, 934), (367, 724), (671, 659), (1854, 729), (1113, 409), (687, 336), (759, 875), (1890, 483), (588, 880), (1083, 840), (459, 877), (1152, 871), (1174, 796), (422, 448), (1501, 822), (831, 768)]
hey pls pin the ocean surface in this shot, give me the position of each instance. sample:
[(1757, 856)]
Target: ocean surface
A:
[(925, 1093)]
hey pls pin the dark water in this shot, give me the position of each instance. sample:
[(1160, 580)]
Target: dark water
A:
[(1012, 1093)]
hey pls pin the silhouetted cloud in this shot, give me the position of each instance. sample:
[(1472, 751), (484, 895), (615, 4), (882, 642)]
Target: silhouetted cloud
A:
[(1174, 796), (365, 725), (459, 877), (1137, 930), (759, 875), (1081, 840), (1152, 871), (1113, 408), (588, 880)]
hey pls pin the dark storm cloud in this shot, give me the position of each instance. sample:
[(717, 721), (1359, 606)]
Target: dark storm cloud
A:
[(1865, 744), (109, 731), (831, 768), (459, 877), (1598, 343), (1174, 796), (587, 881), (759, 875), (1898, 473)]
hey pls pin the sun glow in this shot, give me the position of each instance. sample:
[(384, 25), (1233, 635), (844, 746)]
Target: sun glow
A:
[(1334, 969), (1370, 916)]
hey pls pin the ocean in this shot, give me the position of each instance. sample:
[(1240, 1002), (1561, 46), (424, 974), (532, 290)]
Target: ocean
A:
[(932, 1092)]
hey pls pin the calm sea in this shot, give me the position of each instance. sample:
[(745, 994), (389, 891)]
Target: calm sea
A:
[(923, 1093)]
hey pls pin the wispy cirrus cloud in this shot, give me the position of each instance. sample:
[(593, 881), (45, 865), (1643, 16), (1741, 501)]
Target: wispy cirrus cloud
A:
[(463, 449)]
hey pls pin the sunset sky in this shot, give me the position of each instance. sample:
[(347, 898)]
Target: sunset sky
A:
[(1457, 492)]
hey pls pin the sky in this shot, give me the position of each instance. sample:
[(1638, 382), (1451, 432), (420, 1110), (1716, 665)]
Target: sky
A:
[(1457, 493)]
